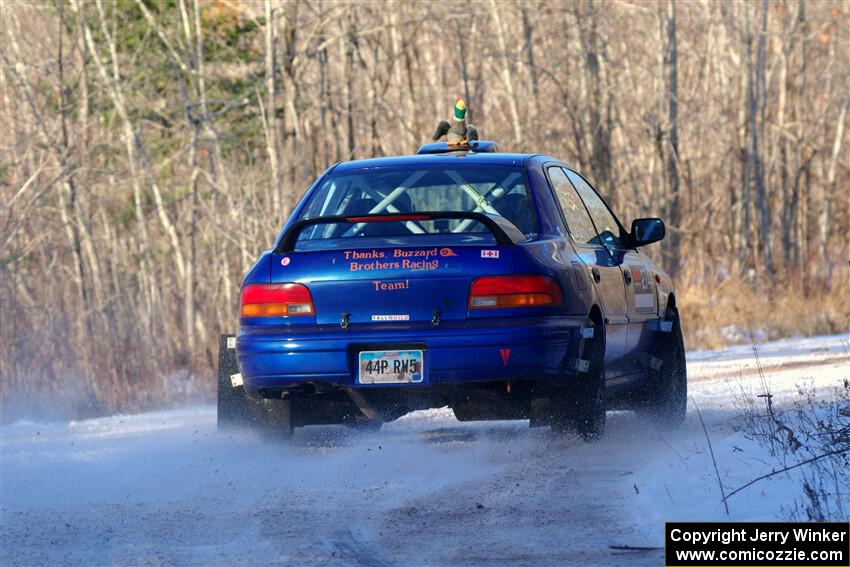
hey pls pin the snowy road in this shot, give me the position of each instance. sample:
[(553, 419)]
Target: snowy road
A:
[(164, 488)]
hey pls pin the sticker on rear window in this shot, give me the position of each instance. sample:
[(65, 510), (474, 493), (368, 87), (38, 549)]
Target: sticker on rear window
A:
[(390, 317), (489, 253)]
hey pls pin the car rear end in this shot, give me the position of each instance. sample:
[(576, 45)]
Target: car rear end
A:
[(409, 281)]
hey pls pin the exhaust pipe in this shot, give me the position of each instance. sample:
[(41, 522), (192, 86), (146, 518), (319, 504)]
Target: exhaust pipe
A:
[(363, 404)]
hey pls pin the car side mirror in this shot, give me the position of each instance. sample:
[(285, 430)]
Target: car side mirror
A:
[(647, 231)]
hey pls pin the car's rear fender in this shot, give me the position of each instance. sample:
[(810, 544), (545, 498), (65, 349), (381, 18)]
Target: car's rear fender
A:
[(554, 257)]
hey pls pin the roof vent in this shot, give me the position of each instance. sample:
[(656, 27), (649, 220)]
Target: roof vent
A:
[(475, 146)]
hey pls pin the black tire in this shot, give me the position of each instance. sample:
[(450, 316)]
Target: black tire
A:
[(581, 409), (270, 418), (666, 398)]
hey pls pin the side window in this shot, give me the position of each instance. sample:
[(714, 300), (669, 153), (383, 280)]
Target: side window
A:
[(578, 221), (606, 225)]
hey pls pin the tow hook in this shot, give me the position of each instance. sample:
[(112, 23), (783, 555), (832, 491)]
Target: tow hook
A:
[(344, 321), (435, 320)]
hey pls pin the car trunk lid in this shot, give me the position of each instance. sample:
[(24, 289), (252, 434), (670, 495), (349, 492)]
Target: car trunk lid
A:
[(391, 283)]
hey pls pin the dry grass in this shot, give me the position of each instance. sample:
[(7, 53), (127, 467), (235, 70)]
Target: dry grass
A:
[(736, 311)]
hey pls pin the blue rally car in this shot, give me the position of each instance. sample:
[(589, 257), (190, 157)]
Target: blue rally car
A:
[(500, 285)]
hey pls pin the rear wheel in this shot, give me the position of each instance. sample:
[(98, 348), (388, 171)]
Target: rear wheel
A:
[(581, 408), (666, 397), (271, 418)]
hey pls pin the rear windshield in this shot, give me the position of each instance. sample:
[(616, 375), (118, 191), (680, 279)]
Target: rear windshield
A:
[(495, 190)]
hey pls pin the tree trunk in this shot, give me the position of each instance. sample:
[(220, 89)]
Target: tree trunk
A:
[(271, 122), (671, 75), (507, 74), (758, 102)]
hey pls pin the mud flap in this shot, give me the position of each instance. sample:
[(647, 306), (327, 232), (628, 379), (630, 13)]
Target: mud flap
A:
[(236, 408), (664, 397)]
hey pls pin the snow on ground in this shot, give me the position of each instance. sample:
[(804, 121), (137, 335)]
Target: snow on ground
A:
[(683, 485), (784, 354), (165, 488)]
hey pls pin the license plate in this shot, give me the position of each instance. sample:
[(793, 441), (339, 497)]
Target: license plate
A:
[(390, 367)]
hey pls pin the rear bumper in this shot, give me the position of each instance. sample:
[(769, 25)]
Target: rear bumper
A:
[(455, 352)]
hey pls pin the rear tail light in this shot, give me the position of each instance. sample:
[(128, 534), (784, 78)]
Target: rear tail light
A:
[(514, 291), (276, 300)]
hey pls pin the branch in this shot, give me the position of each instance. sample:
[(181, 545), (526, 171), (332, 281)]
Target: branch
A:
[(713, 460), (634, 548), (786, 469)]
